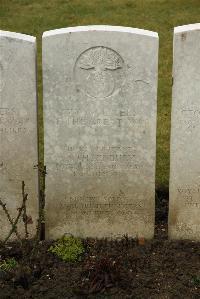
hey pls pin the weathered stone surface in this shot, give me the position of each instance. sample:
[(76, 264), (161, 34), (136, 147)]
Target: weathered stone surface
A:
[(100, 85), (184, 212), (18, 128)]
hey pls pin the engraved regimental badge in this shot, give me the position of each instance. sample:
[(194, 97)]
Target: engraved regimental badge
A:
[(99, 72)]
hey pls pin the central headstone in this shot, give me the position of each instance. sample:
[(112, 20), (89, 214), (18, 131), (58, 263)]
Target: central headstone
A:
[(100, 86)]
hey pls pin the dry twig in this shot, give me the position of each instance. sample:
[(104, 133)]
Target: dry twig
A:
[(20, 210)]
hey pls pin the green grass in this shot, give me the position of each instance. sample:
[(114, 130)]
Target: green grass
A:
[(35, 17)]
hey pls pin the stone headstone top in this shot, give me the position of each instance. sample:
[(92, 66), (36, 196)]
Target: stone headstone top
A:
[(20, 36), (100, 28), (186, 28)]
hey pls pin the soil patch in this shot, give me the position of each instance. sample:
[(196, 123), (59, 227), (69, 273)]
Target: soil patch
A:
[(126, 268)]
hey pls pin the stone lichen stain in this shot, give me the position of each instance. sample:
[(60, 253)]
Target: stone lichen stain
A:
[(173, 218), (183, 36), (5, 62), (3, 168)]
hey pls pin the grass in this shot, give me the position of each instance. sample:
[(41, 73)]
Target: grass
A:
[(35, 17)]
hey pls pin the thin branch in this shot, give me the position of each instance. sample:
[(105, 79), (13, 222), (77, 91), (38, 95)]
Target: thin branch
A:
[(20, 210), (9, 218), (41, 220), (25, 218)]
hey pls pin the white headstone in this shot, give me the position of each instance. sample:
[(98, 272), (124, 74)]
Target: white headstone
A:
[(100, 85), (184, 212), (18, 128)]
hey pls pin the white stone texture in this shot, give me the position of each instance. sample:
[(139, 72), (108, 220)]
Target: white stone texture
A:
[(18, 129), (184, 205), (100, 98)]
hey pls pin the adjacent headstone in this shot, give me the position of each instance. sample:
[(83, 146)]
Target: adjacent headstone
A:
[(100, 85), (18, 129), (184, 207)]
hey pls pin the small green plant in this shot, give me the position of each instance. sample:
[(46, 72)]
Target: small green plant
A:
[(68, 248), (196, 280), (8, 265)]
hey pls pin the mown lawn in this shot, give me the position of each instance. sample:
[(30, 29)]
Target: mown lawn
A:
[(35, 17)]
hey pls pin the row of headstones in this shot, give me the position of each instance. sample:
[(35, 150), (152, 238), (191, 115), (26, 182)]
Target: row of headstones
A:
[(100, 98)]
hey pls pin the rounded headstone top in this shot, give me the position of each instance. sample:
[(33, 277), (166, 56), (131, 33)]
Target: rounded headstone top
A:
[(100, 28), (184, 28), (20, 36)]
